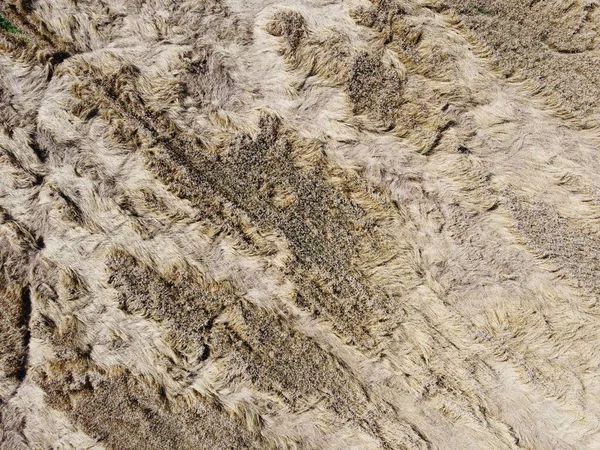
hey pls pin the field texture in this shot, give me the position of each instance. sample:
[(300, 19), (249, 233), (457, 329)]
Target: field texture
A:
[(302, 224)]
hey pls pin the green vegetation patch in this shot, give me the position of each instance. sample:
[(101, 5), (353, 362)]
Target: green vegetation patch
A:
[(5, 25), (480, 11)]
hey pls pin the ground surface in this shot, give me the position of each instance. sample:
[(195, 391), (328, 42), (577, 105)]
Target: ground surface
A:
[(299, 224)]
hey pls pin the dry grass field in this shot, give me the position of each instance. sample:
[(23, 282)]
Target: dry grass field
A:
[(299, 224)]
